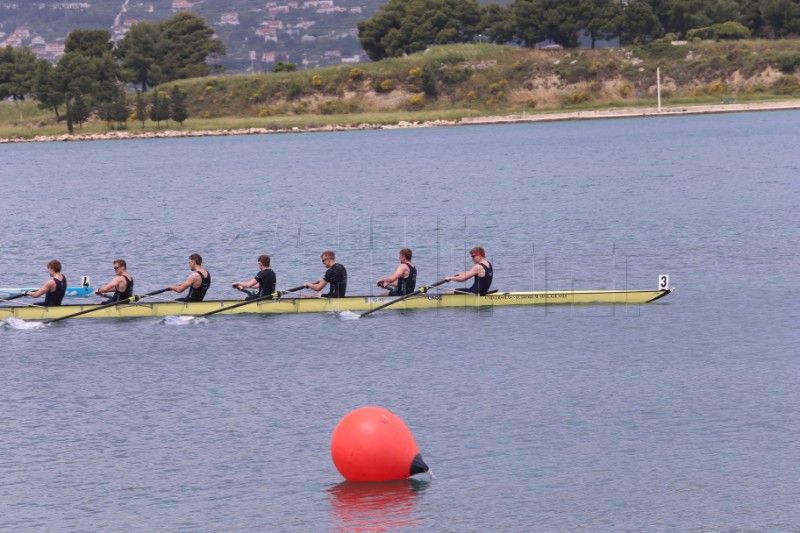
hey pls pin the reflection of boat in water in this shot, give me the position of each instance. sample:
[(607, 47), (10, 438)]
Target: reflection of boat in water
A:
[(376, 507)]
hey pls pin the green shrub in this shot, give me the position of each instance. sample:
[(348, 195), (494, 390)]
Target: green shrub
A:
[(788, 64), (726, 31), (787, 85), (577, 97), (383, 86)]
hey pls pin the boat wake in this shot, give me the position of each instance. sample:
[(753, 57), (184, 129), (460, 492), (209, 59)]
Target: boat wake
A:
[(183, 320), (17, 323), (348, 315)]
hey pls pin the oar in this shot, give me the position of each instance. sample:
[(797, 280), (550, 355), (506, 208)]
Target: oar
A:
[(276, 294), (20, 295), (134, 298), (421, 290)]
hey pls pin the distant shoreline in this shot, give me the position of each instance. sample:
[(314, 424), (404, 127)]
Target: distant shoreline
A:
[(466, 121)]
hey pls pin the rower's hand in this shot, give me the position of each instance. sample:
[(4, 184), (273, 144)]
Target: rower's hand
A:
[(236, 286)]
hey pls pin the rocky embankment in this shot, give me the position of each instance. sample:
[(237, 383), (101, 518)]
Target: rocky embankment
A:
[(542, 117)]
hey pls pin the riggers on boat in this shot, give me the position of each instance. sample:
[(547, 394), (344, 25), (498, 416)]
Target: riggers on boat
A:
[(350, 303)]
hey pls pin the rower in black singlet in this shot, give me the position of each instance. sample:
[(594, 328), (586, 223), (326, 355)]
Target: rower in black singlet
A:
[(53, 299), (197, 295), (123, 295), (406, 285), (481, 285)]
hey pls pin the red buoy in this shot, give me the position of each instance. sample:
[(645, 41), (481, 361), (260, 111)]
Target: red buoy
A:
[(374, 444)]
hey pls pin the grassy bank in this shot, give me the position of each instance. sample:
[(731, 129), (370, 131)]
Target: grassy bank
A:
[(452, 82)]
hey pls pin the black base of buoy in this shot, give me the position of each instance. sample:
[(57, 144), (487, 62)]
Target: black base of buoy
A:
[(418, 466)]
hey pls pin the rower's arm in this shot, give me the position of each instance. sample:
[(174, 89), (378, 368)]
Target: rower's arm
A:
[(399, 273), (193, 277), (464, 276), (110, 286), (48, 286), (253, 283), (318, 286)]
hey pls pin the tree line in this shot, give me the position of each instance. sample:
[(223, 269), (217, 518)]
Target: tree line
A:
[(92, 75), (407, 26)]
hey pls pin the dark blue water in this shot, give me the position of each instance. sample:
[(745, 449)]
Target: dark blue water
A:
[(679, 415)]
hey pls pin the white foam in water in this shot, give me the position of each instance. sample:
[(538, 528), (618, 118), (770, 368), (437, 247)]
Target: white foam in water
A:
[(183, 320), (348, 315), (18, 323)]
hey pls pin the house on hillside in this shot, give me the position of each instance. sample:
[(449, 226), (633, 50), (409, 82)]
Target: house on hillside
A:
[(181, 5), (229, 18)]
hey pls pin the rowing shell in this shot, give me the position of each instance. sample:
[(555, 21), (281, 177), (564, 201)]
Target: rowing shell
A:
[(350, 303), (72, 292)]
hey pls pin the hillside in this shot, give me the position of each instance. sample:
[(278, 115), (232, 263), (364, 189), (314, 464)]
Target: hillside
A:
[(306, 32), (467, 81), (484, 79), (257, 33)]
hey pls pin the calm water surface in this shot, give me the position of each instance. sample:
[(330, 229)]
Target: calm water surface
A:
[(675, 416)]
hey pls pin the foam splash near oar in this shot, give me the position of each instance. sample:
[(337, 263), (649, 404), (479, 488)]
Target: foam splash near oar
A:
[(17, 323), (188, 319)]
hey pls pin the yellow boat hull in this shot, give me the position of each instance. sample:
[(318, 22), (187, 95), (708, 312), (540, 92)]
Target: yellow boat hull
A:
[(351, 303)]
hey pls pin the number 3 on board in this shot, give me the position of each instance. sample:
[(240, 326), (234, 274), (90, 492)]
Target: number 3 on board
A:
[(663, 282)]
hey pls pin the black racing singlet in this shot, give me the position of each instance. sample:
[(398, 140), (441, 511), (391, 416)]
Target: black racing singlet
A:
[(336, 276), (266, 283), (127, 293), (481, 285), (52, 299), (406, 285), (197, 295)]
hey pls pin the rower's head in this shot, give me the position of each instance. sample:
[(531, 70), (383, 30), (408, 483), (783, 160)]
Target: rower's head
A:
[(120, 266), (478, 254), (406, 254), (195, 260), (263, 260), (328, 258), (54, 266)]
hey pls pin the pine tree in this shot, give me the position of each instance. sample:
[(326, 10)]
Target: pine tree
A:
[(159, 108), (141, 107), (178, 108)]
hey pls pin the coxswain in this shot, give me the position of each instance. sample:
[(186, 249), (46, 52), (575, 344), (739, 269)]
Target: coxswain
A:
[(481, 270), (198, 281), (404, 279), (122, 284), (264, 280), (336, 276), (54, 289)]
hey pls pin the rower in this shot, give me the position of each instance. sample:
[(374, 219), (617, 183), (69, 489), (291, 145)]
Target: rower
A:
[(198, 281), (404, 279), (336, 275), (54, 289), (264, 280), (481, 270), (122, 284)]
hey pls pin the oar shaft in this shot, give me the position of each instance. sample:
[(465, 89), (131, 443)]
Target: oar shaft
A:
[(105, 306), (20, 295), (421, 290), (248, 302)]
